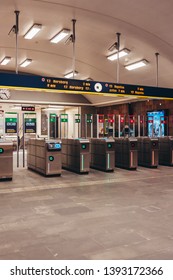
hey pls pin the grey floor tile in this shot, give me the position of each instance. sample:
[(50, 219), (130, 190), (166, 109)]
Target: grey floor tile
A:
[(120, 215)]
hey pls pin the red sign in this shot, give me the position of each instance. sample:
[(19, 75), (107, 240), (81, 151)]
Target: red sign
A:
[(28, 108)]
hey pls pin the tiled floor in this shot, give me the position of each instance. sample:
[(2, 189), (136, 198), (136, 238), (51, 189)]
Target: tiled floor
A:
[(120, 215)]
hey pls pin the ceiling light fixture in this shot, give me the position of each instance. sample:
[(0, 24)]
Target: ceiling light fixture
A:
[(26, 62), (122, 53), (52, 109), (70, 75), (60, 36), (137, 64), (16, 108), (5, 60), (33, 31)]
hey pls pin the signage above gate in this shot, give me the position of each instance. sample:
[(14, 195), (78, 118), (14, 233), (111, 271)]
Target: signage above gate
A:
[(42, 83)]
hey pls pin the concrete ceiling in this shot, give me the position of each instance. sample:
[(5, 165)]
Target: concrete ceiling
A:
[(145, 27)]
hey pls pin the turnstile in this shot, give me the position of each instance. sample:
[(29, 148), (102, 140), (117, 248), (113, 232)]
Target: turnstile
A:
[(166, 150), (126, 153), (102, 154), (44, 156), (148, 151), (76, 155), (6, 160)]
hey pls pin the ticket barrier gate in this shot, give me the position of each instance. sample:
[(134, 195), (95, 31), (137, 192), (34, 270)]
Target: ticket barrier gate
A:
[(148, 151), (126, 153), (6, 160), (166, 150), (76, 155), (44, 156), (102, 154)]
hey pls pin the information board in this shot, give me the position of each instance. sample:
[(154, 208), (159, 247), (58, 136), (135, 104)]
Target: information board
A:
[(30, 125), (10, 125), (42, 83)]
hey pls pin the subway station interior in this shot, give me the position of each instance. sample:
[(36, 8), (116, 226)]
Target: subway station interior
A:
[(86, 130)]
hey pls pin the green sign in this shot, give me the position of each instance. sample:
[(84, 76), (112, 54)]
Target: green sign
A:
[(1, 150), (10, 119), (52, 118), (77, 120), (64, 117), (51, 158), (89, 118), (89, 121), (109, 145)]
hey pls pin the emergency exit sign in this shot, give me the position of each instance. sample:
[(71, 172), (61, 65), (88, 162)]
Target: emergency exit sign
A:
[(77, 118), (64, 118)]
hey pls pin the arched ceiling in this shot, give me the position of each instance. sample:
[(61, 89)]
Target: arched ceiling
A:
[(145, 27)]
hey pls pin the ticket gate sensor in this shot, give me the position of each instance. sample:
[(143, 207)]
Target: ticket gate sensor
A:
[(166, 150), (6, 160), (100, 125), (148, 152), (76, 155), (44, 156), (88, 125), (126, 153), (102, 154), (141, 126)]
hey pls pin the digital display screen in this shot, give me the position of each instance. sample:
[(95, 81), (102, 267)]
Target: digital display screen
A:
[(156, 124), (58, 146), (62, 85)]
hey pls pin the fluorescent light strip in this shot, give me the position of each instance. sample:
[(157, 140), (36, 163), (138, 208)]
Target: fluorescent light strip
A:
[(60, 36), (70, 75), (52, 109), (56, 107), (16, 108), (5, 60), (137, 64), (26, 62), (33, 31), (122, 53)]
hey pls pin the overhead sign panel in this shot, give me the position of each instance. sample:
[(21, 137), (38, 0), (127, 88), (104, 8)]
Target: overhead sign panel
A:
[(38, 83), (28, 108)]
